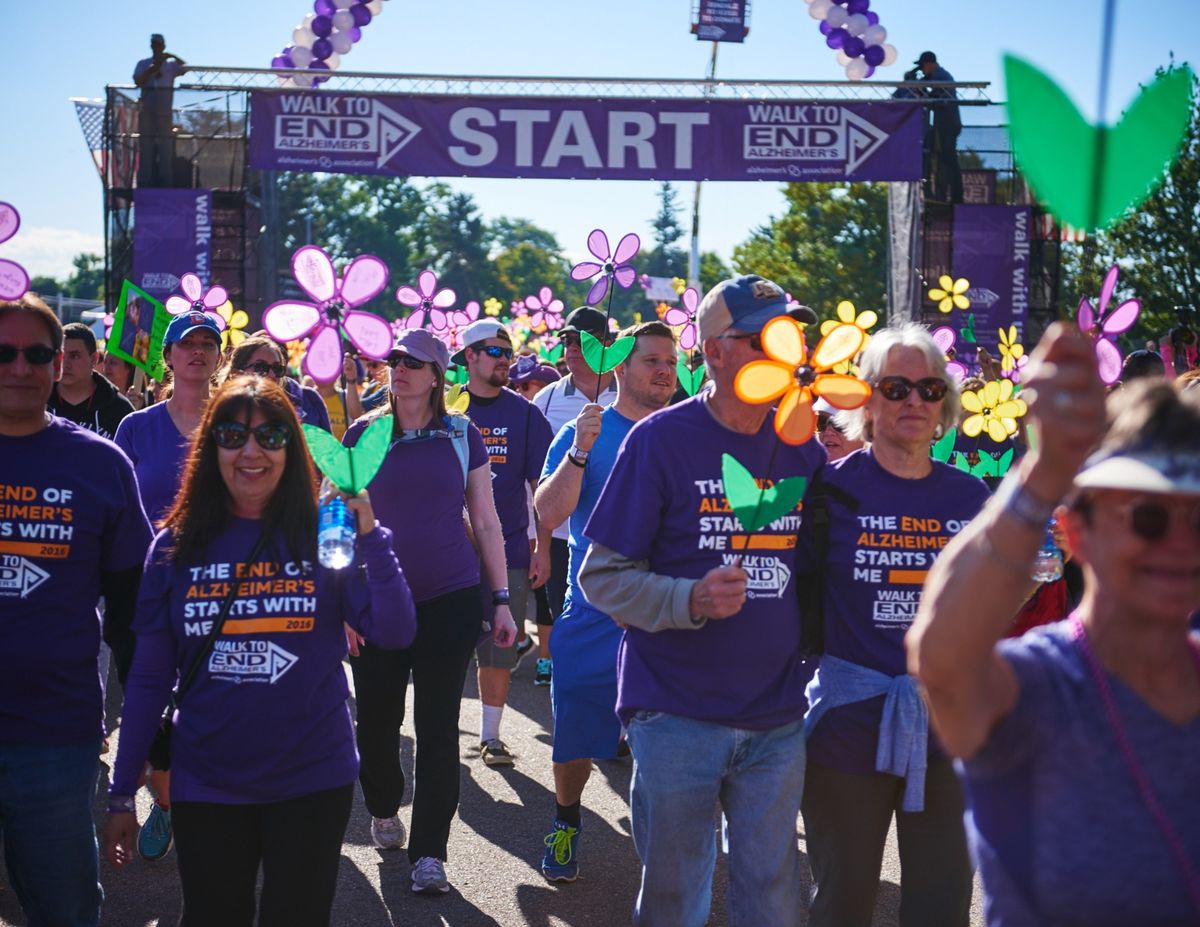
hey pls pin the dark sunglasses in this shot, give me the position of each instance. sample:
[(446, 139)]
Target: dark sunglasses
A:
[(410, 362), (825, 420), (271, 436), (1151, 520), (494, 350), (36, 354), (894, 389), (755, 340), (262, 368), (570, 340)]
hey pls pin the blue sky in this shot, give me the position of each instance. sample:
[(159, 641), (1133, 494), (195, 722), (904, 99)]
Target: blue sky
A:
[(73, 48)]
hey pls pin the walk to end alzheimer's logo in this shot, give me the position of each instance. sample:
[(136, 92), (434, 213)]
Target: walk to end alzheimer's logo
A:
[(768, 574), (35, 522)]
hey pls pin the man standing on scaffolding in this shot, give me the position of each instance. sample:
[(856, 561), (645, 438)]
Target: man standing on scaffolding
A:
[(155, 76), (947, 125)]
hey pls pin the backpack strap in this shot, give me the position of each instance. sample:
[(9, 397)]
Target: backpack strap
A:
[(459, 439), (810, 587)]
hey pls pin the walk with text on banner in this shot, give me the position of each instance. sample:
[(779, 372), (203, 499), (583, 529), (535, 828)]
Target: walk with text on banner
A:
[(33, 523), (767, 555)]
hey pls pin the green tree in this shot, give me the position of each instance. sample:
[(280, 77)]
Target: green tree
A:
[(87, 279), (45, 286)]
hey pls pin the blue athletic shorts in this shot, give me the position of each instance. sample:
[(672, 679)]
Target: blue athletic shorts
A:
[(583, 691)]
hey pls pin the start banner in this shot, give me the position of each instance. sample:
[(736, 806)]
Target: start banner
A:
[(608, 139)]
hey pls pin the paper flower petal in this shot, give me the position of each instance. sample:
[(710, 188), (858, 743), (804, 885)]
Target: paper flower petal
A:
[(313, 270), (192, 287), (627, 247), (10, 221), (323, 361), (585, 269), (783, 341), (1085, 315), (369, 333), (596, 293), (363, 280), (1122, 318), (996, 430), (972, 426), (407, 296), (14, 281), (842, 391), (970, 401), (795, 421), (839, 345), (290, 321), (625, 276), (763, 381), (427, 283), (597, 243), (444, 299), (216, 296), (1108, 358), (177, 305)]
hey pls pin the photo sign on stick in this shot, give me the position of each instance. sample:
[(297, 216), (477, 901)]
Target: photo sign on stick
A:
[(139, 325)]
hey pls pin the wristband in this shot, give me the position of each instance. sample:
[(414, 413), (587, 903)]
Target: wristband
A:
[(581, 464), (576, 452), (500, 597), (1024, 505), (122, 804)]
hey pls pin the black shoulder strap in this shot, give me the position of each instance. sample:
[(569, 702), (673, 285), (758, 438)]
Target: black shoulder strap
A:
[(811, 587)]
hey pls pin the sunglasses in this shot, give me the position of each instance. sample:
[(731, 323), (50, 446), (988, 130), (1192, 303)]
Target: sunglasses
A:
[(271, 436), (755, 340), (409, 362), (263, 369), (38, 354), (1151, 521), (825, 420), (494, 350), (568, 341), (931, 389)]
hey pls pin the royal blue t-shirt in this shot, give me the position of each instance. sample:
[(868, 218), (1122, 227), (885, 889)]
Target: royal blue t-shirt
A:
[(665, 503), (516, 436), (881, 547), (159, 454), (69, 511)]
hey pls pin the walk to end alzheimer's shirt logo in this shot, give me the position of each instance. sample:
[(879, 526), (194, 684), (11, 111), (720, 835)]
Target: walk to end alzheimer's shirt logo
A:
[(19, 577), (241, 661), (767, 574), (34, 522)]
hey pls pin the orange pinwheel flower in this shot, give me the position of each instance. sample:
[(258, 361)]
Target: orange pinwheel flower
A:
[(792, 377)]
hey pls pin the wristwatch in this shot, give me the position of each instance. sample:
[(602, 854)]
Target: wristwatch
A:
[(500, 597), (577, 457)]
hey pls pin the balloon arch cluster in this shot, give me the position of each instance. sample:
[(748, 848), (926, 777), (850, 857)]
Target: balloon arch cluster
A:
[(853, 30), (321, 39)]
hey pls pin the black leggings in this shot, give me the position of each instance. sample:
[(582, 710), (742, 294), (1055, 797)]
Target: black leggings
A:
[(555, 589), (297, 842), (447, 630)]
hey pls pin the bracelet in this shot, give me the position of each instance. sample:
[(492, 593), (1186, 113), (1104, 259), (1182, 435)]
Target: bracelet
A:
[(500, 597), (122, 804), (1023, 505)]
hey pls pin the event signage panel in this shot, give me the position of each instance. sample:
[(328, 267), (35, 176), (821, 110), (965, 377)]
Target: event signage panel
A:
[(612, 139), (172, 235), (722, 21), (992, 250)]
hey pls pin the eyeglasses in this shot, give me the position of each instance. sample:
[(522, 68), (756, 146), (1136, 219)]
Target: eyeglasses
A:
[(1151, 521), (409, 362), (754, 340), (38, 354), (494, 350), (825, 420), (262, 369), (570, 340), (271, 436), (895, 389)]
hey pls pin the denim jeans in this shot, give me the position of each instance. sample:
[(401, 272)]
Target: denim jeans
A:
[(682, 771), (49, 836)]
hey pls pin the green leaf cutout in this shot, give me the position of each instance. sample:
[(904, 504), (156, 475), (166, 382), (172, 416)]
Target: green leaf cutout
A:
[(1058, 150), (743, 495), (689, 379), (944, 446), (967, 333), (989, 464), (456, 375), (350, 469), (614, 353), (554, 355)]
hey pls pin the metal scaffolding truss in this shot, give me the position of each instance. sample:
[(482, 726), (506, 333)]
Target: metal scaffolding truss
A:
[(232, 79)]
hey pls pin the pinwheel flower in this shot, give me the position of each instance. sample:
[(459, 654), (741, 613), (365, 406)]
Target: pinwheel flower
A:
[(944, 338), (195, 298), (427, 301), (686, 316), (492, 306), (457, 320), (793, 377), (545, 311), (949, 293), (236, 320), (994, 410), (295, 353), (332, 314), (1104, 326), (1011, 350), (14, 281), (613, 265), (848, 315)]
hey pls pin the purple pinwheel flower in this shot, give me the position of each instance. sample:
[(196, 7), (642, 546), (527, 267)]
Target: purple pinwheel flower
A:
[(614, 264), (332, 315), (428, 301), (685, 317), (1104, 326), (545, 311), (14, 281), (196, 299), (456, 321)]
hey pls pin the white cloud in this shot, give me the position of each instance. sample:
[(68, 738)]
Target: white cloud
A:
[(49, 251)]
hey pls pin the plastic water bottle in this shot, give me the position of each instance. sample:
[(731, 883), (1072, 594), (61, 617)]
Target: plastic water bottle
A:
[(1048, 565), (335, 534)]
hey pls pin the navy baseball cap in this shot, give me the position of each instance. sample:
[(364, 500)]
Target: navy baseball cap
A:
[(183, 325), (745, 304)]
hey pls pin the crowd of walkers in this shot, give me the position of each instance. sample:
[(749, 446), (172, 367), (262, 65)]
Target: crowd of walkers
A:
[(854, 664)]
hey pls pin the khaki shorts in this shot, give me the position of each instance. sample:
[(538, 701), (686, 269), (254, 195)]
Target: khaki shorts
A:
[(486, 652)]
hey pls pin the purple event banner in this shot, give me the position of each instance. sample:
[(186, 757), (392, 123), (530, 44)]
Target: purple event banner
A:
[(991, 250), (612, 139), (721, 21), (172, 236)]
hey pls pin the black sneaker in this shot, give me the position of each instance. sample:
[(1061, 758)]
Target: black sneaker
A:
[(522, 649)]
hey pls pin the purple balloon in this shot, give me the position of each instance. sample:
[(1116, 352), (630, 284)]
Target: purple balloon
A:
[(872, 17), (853, 47), (825, 27), (324, 8), (322, 26), (361, 14), (279, 61), (322, 49), (858, 6), (837, 38), (319, 66), (874, 55), (870, 70), (355, 34)]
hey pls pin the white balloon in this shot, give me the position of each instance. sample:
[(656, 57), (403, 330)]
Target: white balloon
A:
[(856, 69), (889, 55), (343, 4), (343, 20), (307, 20), (341, 42), (303, 37), (837, 16), (333, 61), (302, 56), (375, 6), (285, 82), (303, 81), (843, 59), (874, 35), (857, 23), (818, 8)]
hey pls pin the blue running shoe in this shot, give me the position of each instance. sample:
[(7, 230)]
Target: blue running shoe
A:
[(545, 671), (156, 838), (561, 862)]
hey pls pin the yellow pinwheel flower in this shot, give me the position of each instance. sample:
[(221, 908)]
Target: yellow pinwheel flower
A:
[(1011, 350), (793, 377), (492, 306), (948, 294), (295, 353), (993, 409), (678, 284), (848, 315), (236, 321)]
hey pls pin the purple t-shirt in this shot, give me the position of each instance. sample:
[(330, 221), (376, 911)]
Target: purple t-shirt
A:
[(1058, 829), (880, 549), (664, 503), (419, 495), (308, 403), (517, 437), (265, 717), (159, 454), (69, 511)]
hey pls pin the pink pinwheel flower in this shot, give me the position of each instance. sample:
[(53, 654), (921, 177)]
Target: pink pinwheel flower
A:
[(14, 281), (196, 298), (428, 300), (685, 317), (456, 322), (545, 310), (614, 264), (1104, 326), (945, 338), (331, 315)]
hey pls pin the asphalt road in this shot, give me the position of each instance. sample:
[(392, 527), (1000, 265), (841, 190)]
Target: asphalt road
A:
[(495, 848)]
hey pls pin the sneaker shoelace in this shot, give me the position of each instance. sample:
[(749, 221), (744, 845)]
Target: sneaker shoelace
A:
[(560, 843)]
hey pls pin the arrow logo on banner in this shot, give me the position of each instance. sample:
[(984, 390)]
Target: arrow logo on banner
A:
[(981, 295), (394, 132), (863, 139)]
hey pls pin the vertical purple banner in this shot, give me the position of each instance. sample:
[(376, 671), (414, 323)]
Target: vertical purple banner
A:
[(172, 235), (991, 249)]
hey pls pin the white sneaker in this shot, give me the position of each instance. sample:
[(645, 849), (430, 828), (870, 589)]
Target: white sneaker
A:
[(429, 876), (387, 833)]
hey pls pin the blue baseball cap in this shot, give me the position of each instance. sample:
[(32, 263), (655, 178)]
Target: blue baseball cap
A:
[(745, 304), (183, 325)]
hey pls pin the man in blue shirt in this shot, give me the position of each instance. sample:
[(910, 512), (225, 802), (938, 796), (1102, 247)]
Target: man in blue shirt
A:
[(584, 688), (947, 125)]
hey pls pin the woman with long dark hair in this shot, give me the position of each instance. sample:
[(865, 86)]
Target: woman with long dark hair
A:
[(262, 356), (233, 603)]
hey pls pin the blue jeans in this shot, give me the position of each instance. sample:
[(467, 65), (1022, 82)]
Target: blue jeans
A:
[(682, 770), (49, 836)]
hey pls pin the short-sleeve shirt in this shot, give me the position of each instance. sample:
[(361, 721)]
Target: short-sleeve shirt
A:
[(158, 452), (665, 503), (157, 95), (69, 512), (1059, 831)]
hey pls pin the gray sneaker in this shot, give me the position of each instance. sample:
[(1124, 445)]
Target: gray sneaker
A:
[(494, 753), (429, 876), (387, 833)]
